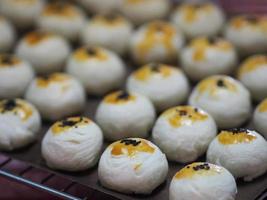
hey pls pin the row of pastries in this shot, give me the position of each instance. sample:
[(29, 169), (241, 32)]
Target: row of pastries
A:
[(182, 122)]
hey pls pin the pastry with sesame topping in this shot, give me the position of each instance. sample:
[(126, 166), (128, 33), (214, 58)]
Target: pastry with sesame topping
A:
[(248, 34), (22, 13), (183, 133), (98, 69), (72, 144), (124, 114), (164, 85), (7, 35), (15, 76), (253, 74), (204, 57), (156, 41), (198, 19), (224, 98), (20, 121), (243, 152), (110, 31), (143, 11), (132, 165), (47, 52), (202, 181), (260, 118), (63, 18), (56, 95)]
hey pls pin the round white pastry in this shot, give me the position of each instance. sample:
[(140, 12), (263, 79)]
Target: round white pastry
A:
[(62, 18), (7, 35), (72, 144), (19, 124), (204, 57), (202, 181), (194, 20), (122, 114), (248, 34), (132, 165), (46, 52), (253, 74), (260, 118), (100, 6), (15, 76), (156, 41), (243, 152), (164, 85), (56, 96), (99, 70), (22, 13), (111, 31), (225, 98), (184, 133), (142, 11)]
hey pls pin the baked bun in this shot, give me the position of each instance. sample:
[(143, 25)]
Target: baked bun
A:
[(203, 181), (132, 165), (243, 152), (19, 123)]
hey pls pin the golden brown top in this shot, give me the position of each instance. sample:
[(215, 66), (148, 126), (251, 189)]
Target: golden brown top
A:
[(136, 1), (153, 69), (69, 124), (202, 44), (24, 2), (131, 147), (58, 78), (158, 32), (60, 9), (236, 136), (119, 97), (37, 37), (214, 84), (86, 53), (17, 107), (109, 20), (252, 63), (7, 60), (263, 106), (255, 22), (198, 169), (184, 115), (191, 11)]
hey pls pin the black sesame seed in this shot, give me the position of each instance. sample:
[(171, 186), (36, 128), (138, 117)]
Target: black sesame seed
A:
[(182, 112), (9, 105), (220, 83), (252, 19), (7, 59), (69, 123), (196, 110), (130, 142), (111, 17), (155, 67), (238, 130), (91, 51), (123, 95)]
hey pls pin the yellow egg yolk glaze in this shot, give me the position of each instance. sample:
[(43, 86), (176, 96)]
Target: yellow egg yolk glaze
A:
[(254, 22), (184, 115), (37, 37), (17, 107), (158, 32), (69, 124), (119, 97), (8, 60), (87, 53), (263, 106), (252, 63), (198, 169), (60, 9), (236, 136), (57, 78), (109, 20), (131, 147)]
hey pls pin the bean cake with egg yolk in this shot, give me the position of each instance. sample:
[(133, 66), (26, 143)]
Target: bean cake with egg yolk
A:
[(199, 19), (132, 165), (204, 57), (156, 41), (224, 98), (197, 180), (260, 117), (15, 76), (19, 123), (7, 35), (98, 69), (154, 79), (72, 144), (184, 132), (56, 95), (243, 152), (125, 114)]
